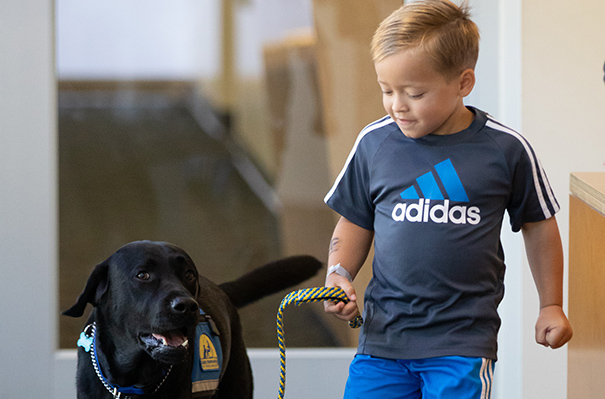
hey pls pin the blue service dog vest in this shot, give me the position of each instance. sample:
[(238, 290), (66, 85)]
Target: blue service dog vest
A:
[(208, 358)]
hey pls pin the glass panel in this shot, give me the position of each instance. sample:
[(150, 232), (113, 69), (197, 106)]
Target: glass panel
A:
[(162, 137)]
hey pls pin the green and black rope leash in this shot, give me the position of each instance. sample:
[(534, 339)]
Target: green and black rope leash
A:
[(297, 298)]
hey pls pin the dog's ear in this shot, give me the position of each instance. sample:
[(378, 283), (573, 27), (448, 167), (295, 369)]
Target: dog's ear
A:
[(95, 287)]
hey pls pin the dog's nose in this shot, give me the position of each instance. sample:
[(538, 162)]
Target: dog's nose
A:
[(183, 305)]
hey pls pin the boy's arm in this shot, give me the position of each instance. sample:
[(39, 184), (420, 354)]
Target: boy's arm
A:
[(545, 256), (349, 247)]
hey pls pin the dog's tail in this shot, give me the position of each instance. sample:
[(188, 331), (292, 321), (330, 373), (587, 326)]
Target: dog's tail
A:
[(270, 278)]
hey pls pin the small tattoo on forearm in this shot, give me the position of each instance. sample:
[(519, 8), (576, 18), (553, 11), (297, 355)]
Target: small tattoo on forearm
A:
[(334, 245)]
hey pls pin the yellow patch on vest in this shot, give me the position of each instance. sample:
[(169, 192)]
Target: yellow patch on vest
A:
[(208, 355)]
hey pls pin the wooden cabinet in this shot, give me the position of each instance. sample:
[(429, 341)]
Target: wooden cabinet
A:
[(586, 356)]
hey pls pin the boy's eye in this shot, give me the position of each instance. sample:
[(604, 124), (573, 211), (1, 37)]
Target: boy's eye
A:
[(415, 96)]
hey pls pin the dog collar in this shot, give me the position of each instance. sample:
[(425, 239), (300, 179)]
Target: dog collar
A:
[(88, 341)]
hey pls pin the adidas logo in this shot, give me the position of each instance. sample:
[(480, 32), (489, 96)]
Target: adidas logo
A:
[(430, 189)]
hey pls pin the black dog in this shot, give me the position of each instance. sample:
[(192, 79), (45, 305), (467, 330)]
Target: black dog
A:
[(140, 340)]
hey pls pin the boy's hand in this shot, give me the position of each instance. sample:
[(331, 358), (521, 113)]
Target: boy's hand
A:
[(341, 310), (552, 328)]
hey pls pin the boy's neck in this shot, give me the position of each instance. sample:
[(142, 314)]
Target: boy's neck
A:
[(459, 121)]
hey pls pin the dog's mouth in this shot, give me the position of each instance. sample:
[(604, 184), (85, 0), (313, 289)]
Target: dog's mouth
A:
[(176, 338)]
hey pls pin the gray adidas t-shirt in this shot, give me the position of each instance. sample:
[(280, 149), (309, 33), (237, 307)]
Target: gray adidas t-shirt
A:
[(436, 206)]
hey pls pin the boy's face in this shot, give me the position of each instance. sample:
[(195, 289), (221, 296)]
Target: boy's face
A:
[(419, 99)]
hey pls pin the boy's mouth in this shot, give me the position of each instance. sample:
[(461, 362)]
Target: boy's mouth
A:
[(404, 121)]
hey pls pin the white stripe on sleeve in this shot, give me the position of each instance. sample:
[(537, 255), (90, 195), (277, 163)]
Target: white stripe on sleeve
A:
[(371, 127)]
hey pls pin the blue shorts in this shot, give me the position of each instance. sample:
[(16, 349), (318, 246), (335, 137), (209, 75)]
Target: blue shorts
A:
[(451, 377)]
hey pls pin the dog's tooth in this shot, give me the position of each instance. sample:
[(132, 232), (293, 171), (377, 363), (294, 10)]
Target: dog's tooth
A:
[(160, 338), (186, 343)]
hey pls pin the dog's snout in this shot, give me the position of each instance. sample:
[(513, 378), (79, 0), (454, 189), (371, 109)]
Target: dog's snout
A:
[(183, 305)]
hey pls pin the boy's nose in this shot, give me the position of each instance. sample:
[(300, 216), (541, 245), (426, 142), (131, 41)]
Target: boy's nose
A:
[(400, 104)]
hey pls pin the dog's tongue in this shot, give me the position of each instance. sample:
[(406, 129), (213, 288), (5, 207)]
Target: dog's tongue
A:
[(171, 338)]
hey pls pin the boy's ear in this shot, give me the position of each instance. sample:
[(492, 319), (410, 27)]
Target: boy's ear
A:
[(467, 82)]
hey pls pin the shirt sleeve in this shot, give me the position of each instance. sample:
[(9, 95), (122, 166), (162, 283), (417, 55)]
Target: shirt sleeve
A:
[(532, 198), (350, 194)]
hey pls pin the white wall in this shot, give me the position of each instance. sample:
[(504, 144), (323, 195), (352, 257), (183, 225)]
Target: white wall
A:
[(563, 114), (138, 39), (310, 373), (259, 22), (157, 39), (28, 200)]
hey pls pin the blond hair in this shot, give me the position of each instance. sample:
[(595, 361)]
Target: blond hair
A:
[(439, 28)]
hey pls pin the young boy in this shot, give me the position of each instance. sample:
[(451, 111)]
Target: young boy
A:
[(429, 184)]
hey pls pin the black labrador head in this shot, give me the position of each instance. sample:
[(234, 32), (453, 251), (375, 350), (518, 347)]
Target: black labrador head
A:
[(144, 296)]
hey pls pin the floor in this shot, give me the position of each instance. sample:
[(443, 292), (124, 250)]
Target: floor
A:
[(135, 166)]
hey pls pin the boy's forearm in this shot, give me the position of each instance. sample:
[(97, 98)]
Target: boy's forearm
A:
[(349, 246), (545, 256)]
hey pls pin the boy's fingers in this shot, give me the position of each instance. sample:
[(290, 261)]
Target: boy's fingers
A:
[(349, 312), (333, 307), (541, 331), (341, 310), (349, 308), (552, 328), (558, 337), (541, 337), (350, 291), (554, 337)]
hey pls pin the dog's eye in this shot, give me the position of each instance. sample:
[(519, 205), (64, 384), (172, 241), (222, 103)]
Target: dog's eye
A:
[(143, 275), (190, 275)]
